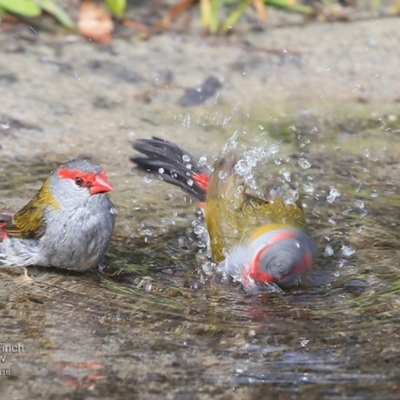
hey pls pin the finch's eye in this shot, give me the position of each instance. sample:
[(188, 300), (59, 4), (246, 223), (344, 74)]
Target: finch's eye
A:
[(79, 181)]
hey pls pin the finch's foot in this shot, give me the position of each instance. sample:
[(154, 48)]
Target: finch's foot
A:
[(104, 270), (26, 277)]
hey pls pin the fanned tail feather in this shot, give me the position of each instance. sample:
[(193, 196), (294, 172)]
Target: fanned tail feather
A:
[(173, 165)]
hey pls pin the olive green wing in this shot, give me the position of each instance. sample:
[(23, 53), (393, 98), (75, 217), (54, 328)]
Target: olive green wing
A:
[(261, 212), (225, 197), (231, 212), (27, 223), (280, 204)]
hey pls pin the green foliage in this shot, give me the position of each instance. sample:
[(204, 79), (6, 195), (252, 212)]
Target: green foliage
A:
[(52, 8), (290, 5), (26, 8), (34, 8), (210, 11), (117, 7)]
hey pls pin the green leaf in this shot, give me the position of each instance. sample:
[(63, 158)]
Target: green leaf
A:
[(229, 2), (56, 11), (27, 8), (117, 7), (235, 15), (215, 7), (289, 5)]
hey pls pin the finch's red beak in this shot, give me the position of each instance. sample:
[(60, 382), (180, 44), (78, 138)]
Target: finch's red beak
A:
[(100, 184)]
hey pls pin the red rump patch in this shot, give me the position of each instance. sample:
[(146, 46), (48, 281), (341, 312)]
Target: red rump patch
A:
[(202, 180), (3, 235), (88, 178)]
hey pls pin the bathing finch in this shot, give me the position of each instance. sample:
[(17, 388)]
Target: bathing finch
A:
[(255, 240)]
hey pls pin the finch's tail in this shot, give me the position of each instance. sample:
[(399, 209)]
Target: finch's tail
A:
[(173, 165)]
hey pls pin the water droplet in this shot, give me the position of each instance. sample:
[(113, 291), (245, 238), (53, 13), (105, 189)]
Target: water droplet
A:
[(333, 194), (347, 211), (304, 163), (113, 210), (146, 179), (374, 193), (190, 182), (304, 342), (340, 265), (291, 196), (208, 267), (186, 158), (287, 175), (222, 175), (347, 251), (161, 170), (309, 188), (305, 378), (242, 168), (202, 160), (186, 120), (359, 204), (328, 250)]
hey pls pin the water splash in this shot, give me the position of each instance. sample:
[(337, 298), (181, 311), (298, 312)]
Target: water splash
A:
[(251, 158)]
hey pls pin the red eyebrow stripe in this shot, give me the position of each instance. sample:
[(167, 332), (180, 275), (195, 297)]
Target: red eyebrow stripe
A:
[(65, 173)]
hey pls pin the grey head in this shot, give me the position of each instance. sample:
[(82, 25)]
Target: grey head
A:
[(74, 182)]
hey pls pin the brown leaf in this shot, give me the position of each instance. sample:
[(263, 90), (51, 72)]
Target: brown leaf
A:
[(95, 22), (173, 13), (260, 9)]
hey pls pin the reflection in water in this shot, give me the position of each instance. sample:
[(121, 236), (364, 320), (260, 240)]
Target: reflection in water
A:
[(154, 321)]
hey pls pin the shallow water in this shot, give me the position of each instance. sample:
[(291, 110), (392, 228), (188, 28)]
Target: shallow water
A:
[(161, 326)]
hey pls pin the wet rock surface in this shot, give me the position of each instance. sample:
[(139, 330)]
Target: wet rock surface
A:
[(156, 325)]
